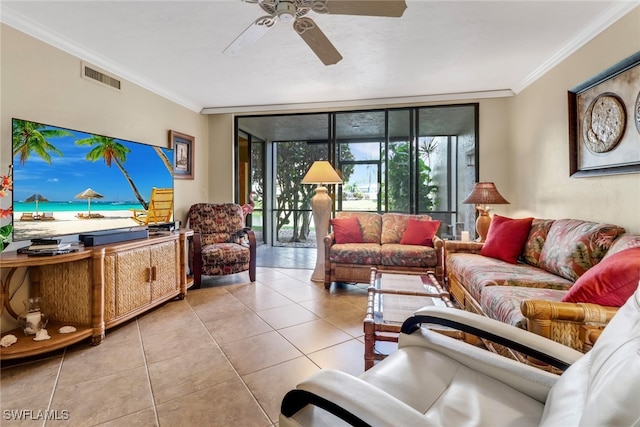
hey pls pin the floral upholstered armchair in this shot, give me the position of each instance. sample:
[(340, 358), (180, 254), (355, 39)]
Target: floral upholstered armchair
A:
[(221, 243)]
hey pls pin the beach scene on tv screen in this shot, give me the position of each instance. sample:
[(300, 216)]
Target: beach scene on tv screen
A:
[(70, 182)]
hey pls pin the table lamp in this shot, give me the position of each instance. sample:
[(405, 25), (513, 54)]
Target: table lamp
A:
[(483, 194), (321, 173)]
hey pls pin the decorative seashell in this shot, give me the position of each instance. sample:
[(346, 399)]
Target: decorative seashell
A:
[(8, 340), (42, 335), (67, 329)]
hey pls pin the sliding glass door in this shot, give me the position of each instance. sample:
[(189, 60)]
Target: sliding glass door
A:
[(407, 160)]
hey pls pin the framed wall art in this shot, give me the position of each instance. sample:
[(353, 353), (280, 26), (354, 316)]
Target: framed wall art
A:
[(183, 146), (604, 122)]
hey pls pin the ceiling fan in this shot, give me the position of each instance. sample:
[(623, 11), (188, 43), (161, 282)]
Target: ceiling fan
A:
[(296, 10)]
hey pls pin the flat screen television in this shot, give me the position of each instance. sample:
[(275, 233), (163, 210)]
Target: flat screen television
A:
[(69, 182)]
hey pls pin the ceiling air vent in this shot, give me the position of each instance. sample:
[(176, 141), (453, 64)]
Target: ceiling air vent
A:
[(90, 72)]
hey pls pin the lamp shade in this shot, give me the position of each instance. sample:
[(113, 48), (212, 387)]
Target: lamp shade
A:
[(321, 172), (485, 193)]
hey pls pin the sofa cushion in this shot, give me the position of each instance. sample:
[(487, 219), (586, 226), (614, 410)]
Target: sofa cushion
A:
[(506, 238), (535, 241), (574, 246), (477, 272), (611, 282), (420, 232), (626, 241), (355, 253), (370, 224), (394, 224), (347, 230), (395, 254), (503, 302)]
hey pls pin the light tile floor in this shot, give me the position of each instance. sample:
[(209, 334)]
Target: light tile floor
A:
[(225, 355)]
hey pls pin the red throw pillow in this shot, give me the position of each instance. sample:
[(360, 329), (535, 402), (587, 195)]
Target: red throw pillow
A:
[(419, 232), (506, 238), (347, 230), (610, 282)]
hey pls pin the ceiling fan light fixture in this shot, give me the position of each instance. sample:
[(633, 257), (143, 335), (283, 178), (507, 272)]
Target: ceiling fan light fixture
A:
[(286, 11)]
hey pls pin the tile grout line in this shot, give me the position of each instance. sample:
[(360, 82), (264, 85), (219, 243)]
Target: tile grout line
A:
[(235, 371), (146, 369), (277, 330), (55, 385)]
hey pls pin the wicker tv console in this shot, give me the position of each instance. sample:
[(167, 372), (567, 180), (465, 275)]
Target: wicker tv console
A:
[(97, 287)]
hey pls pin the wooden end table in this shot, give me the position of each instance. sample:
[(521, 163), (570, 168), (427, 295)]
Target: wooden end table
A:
[(394, 297)]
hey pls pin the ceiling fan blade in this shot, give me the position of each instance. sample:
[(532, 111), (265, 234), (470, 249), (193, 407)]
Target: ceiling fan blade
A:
[(317, 41), (391, 8), (252, 34)]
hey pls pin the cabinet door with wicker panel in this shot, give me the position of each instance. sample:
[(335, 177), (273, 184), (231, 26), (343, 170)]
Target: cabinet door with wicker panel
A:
[(165, 260), (66, 291), (137, 278)]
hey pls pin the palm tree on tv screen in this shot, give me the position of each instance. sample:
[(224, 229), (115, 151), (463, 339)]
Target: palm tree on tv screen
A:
[(164, 158), (111, 152), (30, 137)]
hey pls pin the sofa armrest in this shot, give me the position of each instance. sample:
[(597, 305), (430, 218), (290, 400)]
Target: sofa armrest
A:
[(561, 321), (456, 246), (438, 243), (329, 240)]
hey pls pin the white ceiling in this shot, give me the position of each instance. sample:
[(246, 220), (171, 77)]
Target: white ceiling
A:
[(436, 49)]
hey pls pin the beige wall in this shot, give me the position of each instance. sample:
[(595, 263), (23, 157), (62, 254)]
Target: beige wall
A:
[(538, 136), (221, 158), (44, 84)]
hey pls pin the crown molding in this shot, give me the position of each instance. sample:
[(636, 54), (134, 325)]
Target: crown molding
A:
[(604, 21), (407, 100), (31, 28)]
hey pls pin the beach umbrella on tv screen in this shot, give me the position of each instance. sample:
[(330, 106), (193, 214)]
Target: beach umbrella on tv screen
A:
[(37, 197), (89, 194)]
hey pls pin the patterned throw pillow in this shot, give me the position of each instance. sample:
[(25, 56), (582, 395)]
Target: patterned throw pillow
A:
[(574, 246), (535, 242)]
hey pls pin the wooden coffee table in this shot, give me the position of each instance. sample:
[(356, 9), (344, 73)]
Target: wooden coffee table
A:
[(392, 298)]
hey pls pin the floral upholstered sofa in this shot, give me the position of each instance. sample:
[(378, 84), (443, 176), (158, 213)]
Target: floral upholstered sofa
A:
[(552, 277), (391, 242)]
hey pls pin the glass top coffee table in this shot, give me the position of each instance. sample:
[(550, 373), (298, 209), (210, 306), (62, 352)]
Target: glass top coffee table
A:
[(392, 298)]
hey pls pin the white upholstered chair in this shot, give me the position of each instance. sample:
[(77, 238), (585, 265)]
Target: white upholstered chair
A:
[(434, 380)]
